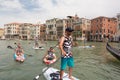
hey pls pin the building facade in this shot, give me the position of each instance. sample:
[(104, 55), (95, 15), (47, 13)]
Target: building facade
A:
[(85, 26), (117, 35), (12, 30), (1, 33), (42, 32), (60, 25), (26, 30), (81, 27), (51, 29), (102, 27), (36, 30)]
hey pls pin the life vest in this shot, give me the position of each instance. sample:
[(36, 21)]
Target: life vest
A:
[(18, 51), (50, 55)]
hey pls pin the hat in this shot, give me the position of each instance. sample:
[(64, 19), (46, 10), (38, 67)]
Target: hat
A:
[(69, 29), (51, 47)]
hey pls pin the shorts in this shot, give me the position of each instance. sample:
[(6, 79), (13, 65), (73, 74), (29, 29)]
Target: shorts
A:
[(67, 62)]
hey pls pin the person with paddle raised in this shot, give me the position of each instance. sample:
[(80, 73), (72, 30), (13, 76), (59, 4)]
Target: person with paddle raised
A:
[(50, 57), (65, 46), (19, 54)]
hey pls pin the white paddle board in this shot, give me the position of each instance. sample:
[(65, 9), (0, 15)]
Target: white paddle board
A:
[(53, 74), (37, 47)]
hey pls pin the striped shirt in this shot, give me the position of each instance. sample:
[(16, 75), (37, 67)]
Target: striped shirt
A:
[(67, 46)]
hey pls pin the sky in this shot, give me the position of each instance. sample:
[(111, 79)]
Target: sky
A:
[(38, 11)]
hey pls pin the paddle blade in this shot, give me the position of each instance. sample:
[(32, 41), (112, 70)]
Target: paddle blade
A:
[(36, 78), (10, 47), (29, 55)]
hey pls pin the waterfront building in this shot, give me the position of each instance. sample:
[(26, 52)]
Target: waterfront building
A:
[(71, 22), (26, 31), (11, 30), (102, 27), (81, 27), (42, 32), (117, 35), (1, 33), (60, 25), (77, 34), (51, 29), (36, 31)]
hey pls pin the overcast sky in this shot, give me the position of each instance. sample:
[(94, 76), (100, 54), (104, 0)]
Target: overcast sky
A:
[(35, 11)]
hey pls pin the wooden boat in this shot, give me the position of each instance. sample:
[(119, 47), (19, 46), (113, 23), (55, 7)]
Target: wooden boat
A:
[(115, 52), (53, 74)]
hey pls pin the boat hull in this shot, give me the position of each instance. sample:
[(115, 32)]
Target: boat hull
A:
[(115, 52)]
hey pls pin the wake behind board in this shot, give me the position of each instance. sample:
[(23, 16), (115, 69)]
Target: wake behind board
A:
[(53, 74)]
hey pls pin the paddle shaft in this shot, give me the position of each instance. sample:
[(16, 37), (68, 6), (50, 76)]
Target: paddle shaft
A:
[(55, 45), (38, 76), (10, 47)]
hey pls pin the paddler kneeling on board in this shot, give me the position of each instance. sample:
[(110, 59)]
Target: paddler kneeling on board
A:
[(50, 57), (19, 54)]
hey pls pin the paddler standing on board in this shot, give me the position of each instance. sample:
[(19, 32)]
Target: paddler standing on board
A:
[(36, 42), (65, 45)]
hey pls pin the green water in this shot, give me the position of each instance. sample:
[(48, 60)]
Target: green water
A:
[(90, 64)]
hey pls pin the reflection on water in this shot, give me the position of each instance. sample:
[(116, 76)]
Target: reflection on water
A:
[(90, 63)]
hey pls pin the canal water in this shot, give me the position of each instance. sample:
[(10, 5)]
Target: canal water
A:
[(90, 63)]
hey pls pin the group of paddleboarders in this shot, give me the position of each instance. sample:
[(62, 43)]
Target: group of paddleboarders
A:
[(65, 46)]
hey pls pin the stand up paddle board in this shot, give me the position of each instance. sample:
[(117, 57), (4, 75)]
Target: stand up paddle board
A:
[(37, 47), (53, 74), (86, 46)]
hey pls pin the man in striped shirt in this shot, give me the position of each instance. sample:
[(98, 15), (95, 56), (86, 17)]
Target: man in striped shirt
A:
[(66, 52)]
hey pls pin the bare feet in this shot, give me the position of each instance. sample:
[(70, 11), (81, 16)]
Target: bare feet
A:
[(71, 78)]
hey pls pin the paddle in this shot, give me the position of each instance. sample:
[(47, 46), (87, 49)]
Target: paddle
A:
[(38, 76), (10, 47), (24, 50), (41, 47)]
